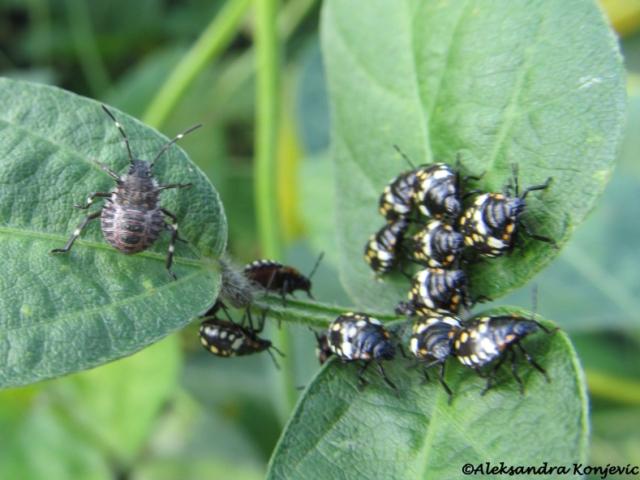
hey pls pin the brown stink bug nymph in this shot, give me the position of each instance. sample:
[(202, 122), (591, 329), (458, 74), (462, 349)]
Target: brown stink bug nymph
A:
[(132, 218)]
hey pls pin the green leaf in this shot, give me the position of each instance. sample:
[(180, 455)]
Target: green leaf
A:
[(37, 443), (195, 440), (115, 406), (63, 313), (593, 284), (539, 84), (415, 434)]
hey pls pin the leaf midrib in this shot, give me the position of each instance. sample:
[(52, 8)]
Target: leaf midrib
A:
[(12, 231)]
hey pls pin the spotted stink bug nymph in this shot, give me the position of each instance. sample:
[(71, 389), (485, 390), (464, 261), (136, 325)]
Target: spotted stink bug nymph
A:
[(356, 337), (225, 338), (432, 343), (381, 251), (132, 217), (491, 340), (491, 223)]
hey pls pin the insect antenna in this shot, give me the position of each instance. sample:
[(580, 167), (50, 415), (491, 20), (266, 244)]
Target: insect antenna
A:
[(315, 267), (516, 186), (534, 306), (404, 155), (121, 130), (273, 357), (178, 137)]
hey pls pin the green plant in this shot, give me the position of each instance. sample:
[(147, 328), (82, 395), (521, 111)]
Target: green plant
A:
[(537, 84)]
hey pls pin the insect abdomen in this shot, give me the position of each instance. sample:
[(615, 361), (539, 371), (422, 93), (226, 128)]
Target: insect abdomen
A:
[(130, 230)]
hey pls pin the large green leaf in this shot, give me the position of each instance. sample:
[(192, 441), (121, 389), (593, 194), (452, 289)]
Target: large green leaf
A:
[(63, 313), (538, 83), (415, 434)]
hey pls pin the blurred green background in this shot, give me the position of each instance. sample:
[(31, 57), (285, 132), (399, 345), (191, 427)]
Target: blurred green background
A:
[(175, 412)]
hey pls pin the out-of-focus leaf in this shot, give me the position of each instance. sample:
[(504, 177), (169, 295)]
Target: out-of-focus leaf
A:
[(312, 104), (187, 432), (135, 89), (615, 439), (116, 405), (37, 444), (195, 469)]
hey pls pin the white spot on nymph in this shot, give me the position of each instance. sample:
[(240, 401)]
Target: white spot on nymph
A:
[(351, 331), (211, 331), (413, 346), (223, 334), (489, 347), (451, 321), (481, 199), (494, 242), (441, 173), (419, 328), (347, 349), (481, 227), (236, 343), (384, 256)]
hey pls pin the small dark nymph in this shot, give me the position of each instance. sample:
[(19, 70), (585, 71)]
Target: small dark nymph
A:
[(132, 218)]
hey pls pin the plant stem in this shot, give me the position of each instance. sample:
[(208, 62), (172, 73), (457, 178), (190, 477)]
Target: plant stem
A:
[(266, 143), (267, 121), (241, 69), (212, 42), (311, 314)]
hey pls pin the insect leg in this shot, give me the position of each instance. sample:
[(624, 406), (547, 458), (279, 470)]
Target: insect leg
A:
[(362, 382), (172, 243), (174, 185), (109, 172), (76, 232), (444, 383), (491, 377), (535, 236), (533, 188), (514, 371), (532, 362), (90, 199), (273, 357), (384, 376)]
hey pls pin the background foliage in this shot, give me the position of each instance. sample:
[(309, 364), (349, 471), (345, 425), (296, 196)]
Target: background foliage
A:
[(209, 418)]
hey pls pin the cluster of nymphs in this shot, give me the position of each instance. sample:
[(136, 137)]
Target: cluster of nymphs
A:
[(227, 338), (433, 222)]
